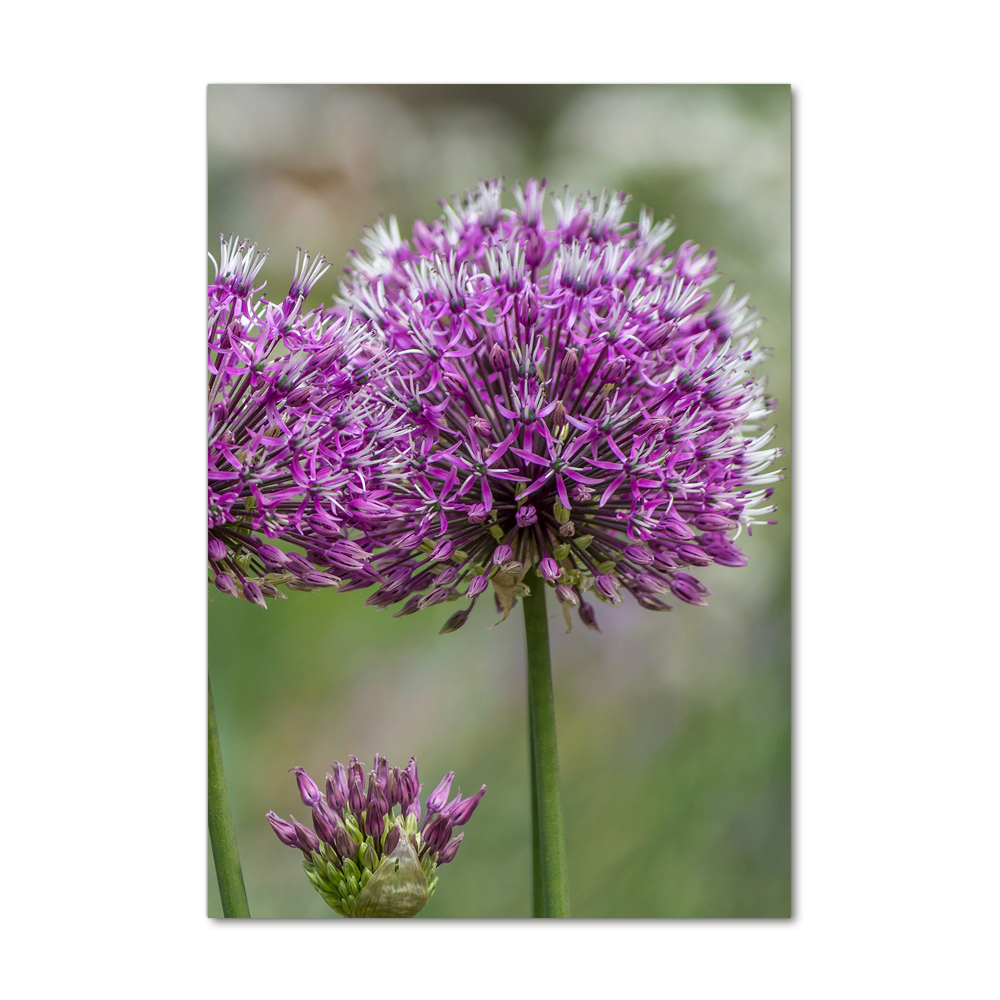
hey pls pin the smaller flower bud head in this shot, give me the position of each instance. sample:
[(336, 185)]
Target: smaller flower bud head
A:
[(559, 414), (606, 584), (477, 585), (455, 622), (273, 557), (448, 852), (226, 584), (565, 594), (393, 790), (411, 770), (391, 840), (463, 812), (307, 840), (252, 593), (437, 799), (693, 555), (499, 359), (480, 426), (570, 362), (444, 549), (525, 516), (477, 514), (550, 569), (216, 549), (659, 337), (535, 249), (445, 576), (308, 789), (587, 616), (582, 493), (284, 830), (502, 554), (689, 589), (567, 530)]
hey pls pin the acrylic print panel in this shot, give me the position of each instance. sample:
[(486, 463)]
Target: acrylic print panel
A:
[(674, 730)]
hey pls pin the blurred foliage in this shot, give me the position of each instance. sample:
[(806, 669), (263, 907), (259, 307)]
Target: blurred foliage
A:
[(674, 730)]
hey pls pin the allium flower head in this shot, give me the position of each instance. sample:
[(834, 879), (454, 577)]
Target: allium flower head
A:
[(295, 432), (368, 853), (576, 401)]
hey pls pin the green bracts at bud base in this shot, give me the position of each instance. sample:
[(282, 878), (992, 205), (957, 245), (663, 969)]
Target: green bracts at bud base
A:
[(398, 888)]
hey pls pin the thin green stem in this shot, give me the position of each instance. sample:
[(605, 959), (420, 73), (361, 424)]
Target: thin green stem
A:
[(220, 827), (537, 899), (544, 756)]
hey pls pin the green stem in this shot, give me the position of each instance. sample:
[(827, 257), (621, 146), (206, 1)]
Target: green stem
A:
[(220, 827), (544, 757), (537, 899)]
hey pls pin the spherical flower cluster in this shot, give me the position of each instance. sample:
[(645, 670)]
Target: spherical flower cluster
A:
[(368, 854), (294, 432), (576, 402)]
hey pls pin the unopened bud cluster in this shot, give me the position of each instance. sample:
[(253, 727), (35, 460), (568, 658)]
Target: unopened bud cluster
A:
[(372, 851)]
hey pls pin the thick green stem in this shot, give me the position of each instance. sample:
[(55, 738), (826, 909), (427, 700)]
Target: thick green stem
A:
[(544, 757), (220, 827), (537, 899)]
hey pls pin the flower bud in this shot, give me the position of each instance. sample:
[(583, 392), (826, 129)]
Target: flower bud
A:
[(477, 585), (693, 555), (478, 513), (502, 554), (480, 426), (525, 516), (226, 584), (437, 799), (252, 593), (638, 555), (356, 796), (284, 830), (499, 359), (308, 789), (272, 556), (550, 569), (437, 833), (443, 550), (296, 564), (714, 522), (571, 361), (558, 414), (448, 852), (343, 843), (527, 308), (606, 584), (216, 549), (566, 594), (462, 813), (582, 493), (587, 616), (613, 371), (687, 588), (455, 622), (307, 840), (374, 822), (368, 857), (324, 822), (391, 840)]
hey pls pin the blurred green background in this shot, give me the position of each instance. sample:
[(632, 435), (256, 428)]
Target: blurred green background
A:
[(674, 729)]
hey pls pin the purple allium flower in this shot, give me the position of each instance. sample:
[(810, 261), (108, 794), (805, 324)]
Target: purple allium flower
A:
[(295, 431), (370, 856), (576, 402)]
